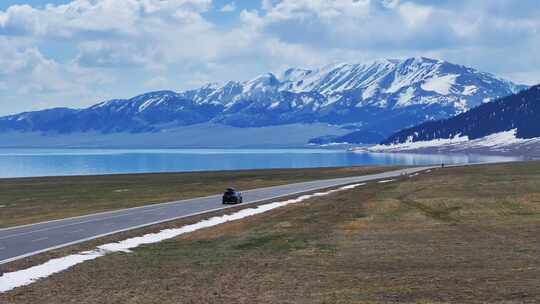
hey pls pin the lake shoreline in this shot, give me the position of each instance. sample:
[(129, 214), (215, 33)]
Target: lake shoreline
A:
[(19, 163)]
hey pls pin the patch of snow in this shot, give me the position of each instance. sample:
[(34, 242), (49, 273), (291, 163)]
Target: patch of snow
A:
[(333, 144), (121, 190), (405, 97), (469, 90), (263, 83), (461, 106), (331, 100), (396, 85), (440, 84), (486, 100), (349, 187), (493, 141), (381, 104), (498, 139), (274, 105), (293, 75), (149, 102), (369, 92), (12, 280), (386, 181), (27, 276), (411, 145), (306, 99)]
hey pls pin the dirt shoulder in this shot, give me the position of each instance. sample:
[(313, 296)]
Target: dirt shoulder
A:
[(32, 200), (458, 235)]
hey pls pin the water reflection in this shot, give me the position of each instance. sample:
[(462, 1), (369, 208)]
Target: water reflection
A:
[(49, 162)]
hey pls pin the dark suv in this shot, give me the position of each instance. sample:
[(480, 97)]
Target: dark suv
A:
[(232, 196)]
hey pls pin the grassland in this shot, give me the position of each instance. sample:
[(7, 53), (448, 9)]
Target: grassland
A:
[(31, 200), (458, 235)]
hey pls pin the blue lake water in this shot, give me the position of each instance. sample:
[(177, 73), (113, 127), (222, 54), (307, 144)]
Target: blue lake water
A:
[(61, 162)]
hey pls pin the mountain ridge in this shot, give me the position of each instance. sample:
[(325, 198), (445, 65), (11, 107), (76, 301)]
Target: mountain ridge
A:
[(382, 96), (519, 113)]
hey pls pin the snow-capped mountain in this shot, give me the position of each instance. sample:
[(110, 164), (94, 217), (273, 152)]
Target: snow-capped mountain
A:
[(382, 96), (507, 124)]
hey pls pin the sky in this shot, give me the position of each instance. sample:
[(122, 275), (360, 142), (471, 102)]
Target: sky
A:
[(75, 53)]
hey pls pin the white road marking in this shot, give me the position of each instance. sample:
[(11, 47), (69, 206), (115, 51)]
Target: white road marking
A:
[(40, 239), (77, 231), (75, 223)]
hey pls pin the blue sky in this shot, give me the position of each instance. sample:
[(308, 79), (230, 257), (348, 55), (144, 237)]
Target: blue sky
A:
[(78, 52)]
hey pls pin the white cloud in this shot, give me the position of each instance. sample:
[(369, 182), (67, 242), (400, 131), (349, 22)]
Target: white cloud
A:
[(26, 69), (415, 15), (158, 83), (229, 7), (457, 30), (29, 80), (125, 47), (102, 16)]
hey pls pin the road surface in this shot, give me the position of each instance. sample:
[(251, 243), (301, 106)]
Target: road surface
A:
[(23, 241)]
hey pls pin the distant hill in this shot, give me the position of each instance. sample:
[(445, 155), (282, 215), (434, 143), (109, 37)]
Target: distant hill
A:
[(519, 113), (381, 97), (356, 137)]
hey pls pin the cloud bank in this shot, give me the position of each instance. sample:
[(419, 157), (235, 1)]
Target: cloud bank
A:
[(78, 53)]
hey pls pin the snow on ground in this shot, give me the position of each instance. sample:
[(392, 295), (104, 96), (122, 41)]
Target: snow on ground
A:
[(469, 90), (498, 139), (27, 276), (274, 105), (461, 106), (370, 91), (440, 84), (494, 141), (405, 98), (410, 145), (331, 100), (386, 181)]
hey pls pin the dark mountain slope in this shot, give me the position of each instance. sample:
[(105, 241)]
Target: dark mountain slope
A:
[(519, 111)]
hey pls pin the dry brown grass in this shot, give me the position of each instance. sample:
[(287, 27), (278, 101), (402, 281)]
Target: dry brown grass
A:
[(461, 235)]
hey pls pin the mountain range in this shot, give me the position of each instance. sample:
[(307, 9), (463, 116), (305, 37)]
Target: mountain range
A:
[(371, 100)]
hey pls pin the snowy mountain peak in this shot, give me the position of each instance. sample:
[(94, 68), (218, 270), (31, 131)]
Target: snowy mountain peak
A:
[(381, 96), (211, 86), (262, 82), (293, 74)]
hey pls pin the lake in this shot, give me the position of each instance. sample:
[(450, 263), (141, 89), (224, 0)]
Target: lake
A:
[(62, 162)]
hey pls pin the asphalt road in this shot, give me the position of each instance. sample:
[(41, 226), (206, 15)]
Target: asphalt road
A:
[(23, 241)]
